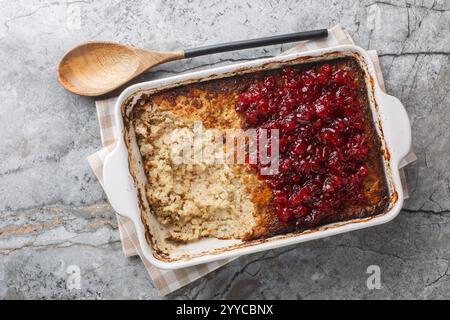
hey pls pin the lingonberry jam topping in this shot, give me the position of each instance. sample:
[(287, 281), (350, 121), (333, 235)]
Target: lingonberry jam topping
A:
[(322, 143)]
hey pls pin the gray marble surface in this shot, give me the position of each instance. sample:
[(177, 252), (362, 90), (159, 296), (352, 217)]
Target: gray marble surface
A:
[(54, 213)]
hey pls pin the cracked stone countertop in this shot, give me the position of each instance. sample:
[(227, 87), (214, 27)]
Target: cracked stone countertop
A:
[(54, 214)]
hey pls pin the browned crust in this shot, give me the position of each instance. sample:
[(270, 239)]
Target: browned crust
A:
[(213, 101)]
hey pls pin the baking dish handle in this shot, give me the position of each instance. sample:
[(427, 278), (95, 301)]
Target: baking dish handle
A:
[(118, 184), (397, 130)]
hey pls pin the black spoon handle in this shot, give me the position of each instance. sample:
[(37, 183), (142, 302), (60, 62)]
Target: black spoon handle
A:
[(253, 43)]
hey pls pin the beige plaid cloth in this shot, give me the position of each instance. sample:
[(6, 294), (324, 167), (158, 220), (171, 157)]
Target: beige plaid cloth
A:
[(167, 281)]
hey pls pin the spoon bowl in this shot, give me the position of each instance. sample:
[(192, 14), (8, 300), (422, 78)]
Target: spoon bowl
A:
[(95, 68)]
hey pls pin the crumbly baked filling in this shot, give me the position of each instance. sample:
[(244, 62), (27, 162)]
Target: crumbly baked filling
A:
[(195, 200), (330, 154)]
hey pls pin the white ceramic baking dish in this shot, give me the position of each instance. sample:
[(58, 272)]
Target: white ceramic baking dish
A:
[(122, 188)]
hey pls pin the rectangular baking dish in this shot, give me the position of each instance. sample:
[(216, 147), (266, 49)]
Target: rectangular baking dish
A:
[(125, 190)]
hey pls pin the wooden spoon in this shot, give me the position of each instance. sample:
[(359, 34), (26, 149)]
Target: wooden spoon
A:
[(95, 68)]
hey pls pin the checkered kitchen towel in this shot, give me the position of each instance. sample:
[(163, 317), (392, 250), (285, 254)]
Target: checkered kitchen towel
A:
[(167, 281)]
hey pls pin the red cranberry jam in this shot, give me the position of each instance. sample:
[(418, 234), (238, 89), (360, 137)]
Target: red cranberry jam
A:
[(322, 143)]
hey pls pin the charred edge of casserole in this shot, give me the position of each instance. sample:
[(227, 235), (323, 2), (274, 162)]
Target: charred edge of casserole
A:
[(231, 87), (127, 123)]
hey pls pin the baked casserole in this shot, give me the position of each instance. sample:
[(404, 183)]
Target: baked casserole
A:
[(330, 154)]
